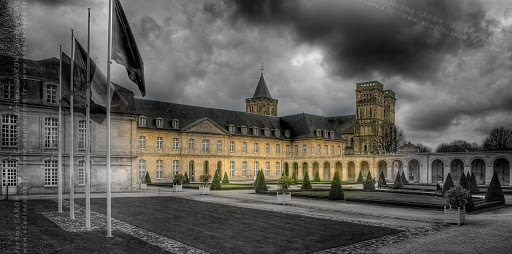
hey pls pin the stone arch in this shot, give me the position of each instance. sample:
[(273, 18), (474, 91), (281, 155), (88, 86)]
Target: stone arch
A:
[(502, 167), (456, 169), (383, 167), (351, 172), (296, 169), (339, 168), (397, 168), (206, 168), (437, 170), (316, 168), (327, 171), (414, 171), (478, 169), (191, 173), (365, 168), (305, 169)]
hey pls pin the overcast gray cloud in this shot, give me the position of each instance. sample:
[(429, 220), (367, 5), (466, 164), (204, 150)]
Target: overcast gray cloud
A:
[(208, 53)]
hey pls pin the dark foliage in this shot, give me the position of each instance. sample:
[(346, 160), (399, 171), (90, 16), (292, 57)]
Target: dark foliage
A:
[(225, 179), (260, 185), (494, 192), (473, 186), (317, 177), (398, 182), (368, 184), (448, 183), (306, 183), (360, 177), (336, 192)]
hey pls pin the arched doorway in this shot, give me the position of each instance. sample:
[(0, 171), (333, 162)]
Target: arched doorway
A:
[(206, 169), (502, 167), (305, 169), (351, 174), (316, 168), (296, 169), (456, 170), (414, 171), (383, 168), (327, 171), (191, 171), (437, 171), (397, 168), (365, 168), (478, 169), (339, 169)]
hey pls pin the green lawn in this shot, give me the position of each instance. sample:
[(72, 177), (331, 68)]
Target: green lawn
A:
[(220, 228), (43, 236)]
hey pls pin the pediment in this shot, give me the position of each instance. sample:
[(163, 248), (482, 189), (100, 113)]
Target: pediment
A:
[(205, 125)]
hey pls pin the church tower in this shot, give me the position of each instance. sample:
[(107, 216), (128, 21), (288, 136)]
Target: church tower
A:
[(261, 102)]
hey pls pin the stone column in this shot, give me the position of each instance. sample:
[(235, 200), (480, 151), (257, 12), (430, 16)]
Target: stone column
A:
[(446, 171), (344, 171), (489, 171)]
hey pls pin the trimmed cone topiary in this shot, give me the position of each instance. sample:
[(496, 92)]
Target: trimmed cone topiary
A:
[(360, 177), (294, 177), (260, 185), (317, 177), (382, 178), (468, 176), (186, 178), (225, 179), (147, 179), (464, 183), (306, 184), (398, 182), (336, 192), (448, 183), (473, 186), (368, 184), (494, 192), (216, 181), (403, 178)]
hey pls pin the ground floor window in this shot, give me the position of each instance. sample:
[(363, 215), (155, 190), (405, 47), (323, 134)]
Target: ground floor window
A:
[(9, 170), (159, 165), (277, 168), (81, 173), (231, 169), (267, 169), (175, 167), (142, 169), (244, 168), (50, 173)]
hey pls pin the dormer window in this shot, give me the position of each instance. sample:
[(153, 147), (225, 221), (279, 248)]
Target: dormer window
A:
[(159, 122), (50, 93), (255, 131), (142, 121), (175, 123), (267, 132), (277, 133), (287, 134), (8, 91), (244, 129), (325, 134), (318, 133), (332, 134), (231, 128)]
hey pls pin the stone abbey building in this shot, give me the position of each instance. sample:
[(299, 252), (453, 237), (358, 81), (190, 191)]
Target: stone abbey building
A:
[(165, 138)]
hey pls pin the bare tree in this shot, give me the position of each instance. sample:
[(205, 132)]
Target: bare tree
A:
[(391, 139), (458, 145), (11, 34), (500, 139), (423, 149)]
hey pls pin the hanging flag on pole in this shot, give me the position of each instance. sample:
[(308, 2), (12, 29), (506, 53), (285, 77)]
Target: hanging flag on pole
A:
[(124, 48)]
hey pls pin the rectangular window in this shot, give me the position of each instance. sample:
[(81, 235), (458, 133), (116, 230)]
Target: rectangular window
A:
[(256, 165), (278, 148), (142, 121), (142, 142), (231, 169), (51, 94), (50, 131), (206, 146), (142, 169), (50, 173), (159, 166), (232, 146), (159, 141), (255, 147), (175, 143), (191, 144), (296, 149), (319, 149), (244, 147), (287, 149), (8, 91), (244, 168), (332, 150), (267, 148), (267, 168), (219, 146), (277, 169), (304, 149), (10, 169), (82, 134), (326, 150), (159, 122), (9, 130), (81, 173), (175, 167)]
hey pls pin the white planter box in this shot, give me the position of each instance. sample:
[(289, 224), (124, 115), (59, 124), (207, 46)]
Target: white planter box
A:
[(284, 198), (177, 187), (143, 186), (204, 190), (454, 216)]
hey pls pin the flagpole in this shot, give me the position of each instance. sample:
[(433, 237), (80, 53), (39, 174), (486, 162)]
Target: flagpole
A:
[(71, 131), (88, 130), (109, 62), (59, 166)]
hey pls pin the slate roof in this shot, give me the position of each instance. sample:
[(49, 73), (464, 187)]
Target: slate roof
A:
[(343, 124), (261, 89)]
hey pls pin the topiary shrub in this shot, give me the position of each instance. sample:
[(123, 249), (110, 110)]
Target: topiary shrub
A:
[(398, 182), (204, 179), (382, 178), (147, 179), (448, 184), (468, 176), (360, 177), (260, 184), (317, 177), (464, 183), (306, 184), (336, 192), (457, 197), (473, 186), (494, 192), (403, 178), (225, 179), (284, 184), (178, 179), (216, 181), (368, 184), (186, 178), (294, 177)]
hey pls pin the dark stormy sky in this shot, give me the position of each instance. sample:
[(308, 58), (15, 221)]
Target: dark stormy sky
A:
[(449, 62)]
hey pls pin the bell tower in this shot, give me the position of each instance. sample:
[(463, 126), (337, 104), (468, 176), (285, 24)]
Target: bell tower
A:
[(370, 114), (261, 102)]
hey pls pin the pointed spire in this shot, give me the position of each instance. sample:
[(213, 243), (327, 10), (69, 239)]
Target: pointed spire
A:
[(262, 89)]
